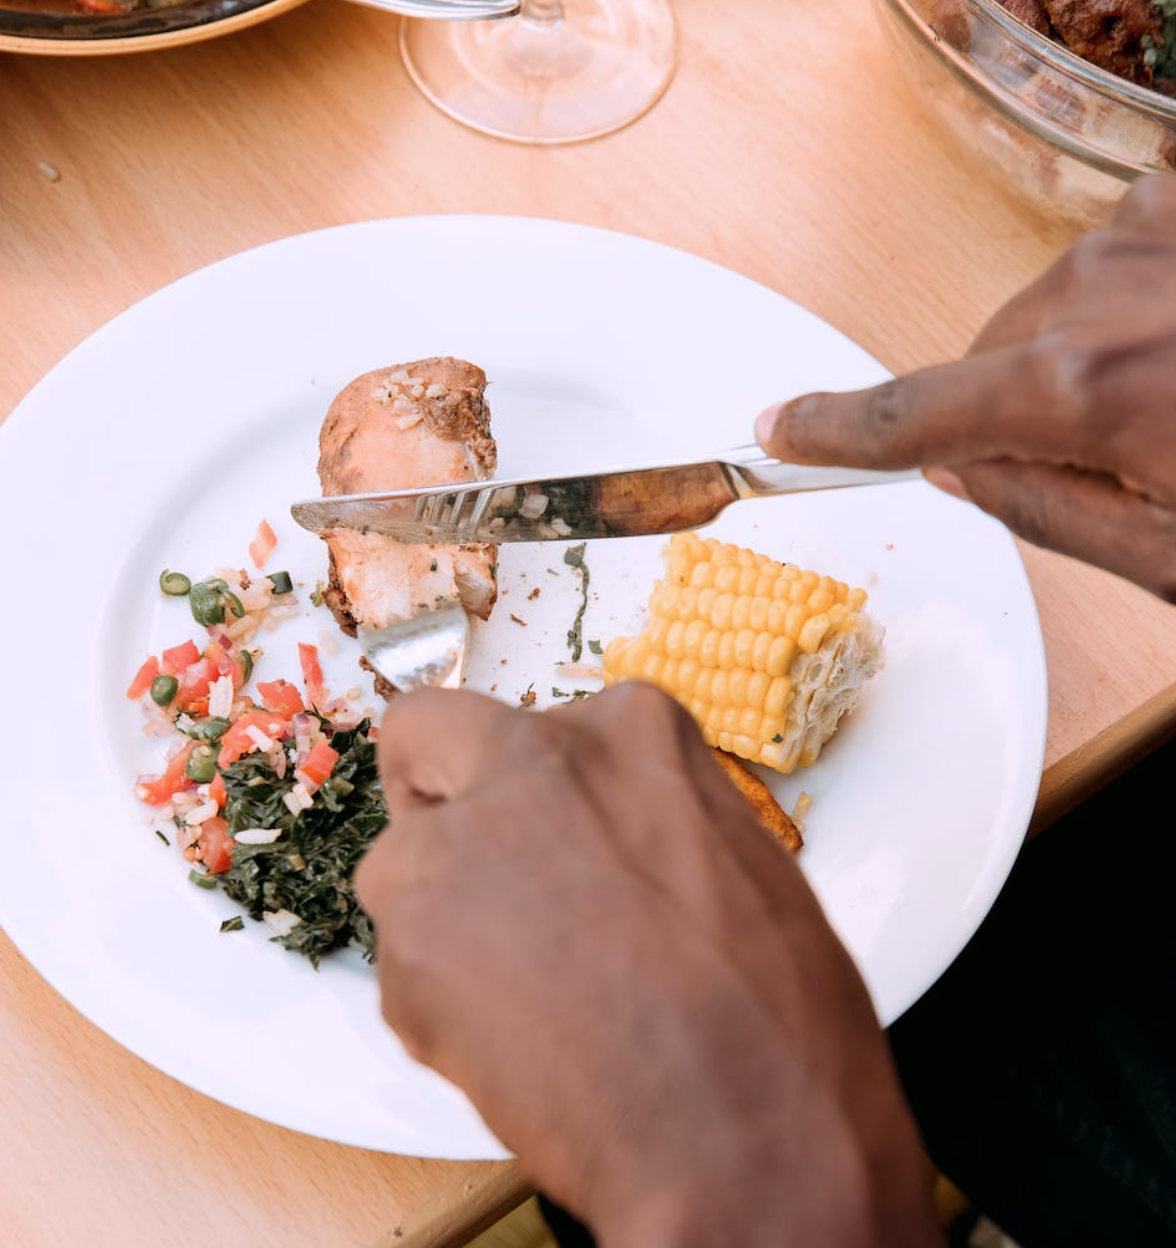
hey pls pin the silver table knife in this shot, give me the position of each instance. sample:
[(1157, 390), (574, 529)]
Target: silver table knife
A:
[(617, 502)]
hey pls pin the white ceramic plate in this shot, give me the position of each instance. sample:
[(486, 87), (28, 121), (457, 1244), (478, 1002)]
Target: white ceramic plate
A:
[(162, 441)]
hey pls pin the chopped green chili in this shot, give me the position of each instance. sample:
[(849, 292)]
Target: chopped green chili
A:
[(164, 690), (209, 730), (201, 879), (201, 765), (174, 584), (281, 582), (246, 658)]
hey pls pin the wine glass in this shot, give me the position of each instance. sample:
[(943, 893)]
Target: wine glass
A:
[(561, 71)]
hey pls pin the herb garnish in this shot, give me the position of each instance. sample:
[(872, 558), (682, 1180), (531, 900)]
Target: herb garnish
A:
[(308, 869), (595, 647), (574, 556), (162, 837), (235, 924)]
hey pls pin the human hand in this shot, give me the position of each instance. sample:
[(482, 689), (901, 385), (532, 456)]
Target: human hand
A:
[(1061, 420), (582, 924)]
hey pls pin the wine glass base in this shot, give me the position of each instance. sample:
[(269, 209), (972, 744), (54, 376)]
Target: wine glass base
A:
[(592, 70)]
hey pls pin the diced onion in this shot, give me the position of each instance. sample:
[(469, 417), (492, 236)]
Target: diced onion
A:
[(281, 922), (259, 739), (534, 505), (220, 697)]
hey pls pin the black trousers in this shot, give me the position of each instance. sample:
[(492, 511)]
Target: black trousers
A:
[(1042, 1067)]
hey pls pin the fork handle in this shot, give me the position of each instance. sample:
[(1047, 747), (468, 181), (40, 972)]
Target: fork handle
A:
[(758, 474)]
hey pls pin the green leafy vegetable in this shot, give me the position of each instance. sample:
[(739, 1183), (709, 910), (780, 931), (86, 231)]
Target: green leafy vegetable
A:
[(201, 879), (595, 647), (308, 869), (574, 555), (235, 924)]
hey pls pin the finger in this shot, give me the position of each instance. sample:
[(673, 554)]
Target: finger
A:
[(1085, 515), (1150, 206), (986, 406), (435, 744)]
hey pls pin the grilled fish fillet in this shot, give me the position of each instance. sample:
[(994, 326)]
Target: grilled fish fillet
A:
[(409, 425)]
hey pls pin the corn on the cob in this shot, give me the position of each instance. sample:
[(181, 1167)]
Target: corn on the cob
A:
[(765, 656)]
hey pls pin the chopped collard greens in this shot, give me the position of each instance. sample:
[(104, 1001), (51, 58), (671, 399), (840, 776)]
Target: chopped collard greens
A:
[(574, 557), (307, 870)]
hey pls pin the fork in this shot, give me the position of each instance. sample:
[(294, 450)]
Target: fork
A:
[(427, 651), (448, 10)]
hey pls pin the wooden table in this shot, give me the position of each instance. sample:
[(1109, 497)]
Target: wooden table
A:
[(787, 149)]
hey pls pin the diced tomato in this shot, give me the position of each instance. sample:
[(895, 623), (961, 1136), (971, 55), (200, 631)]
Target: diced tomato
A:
[(163, 788), (103, 6), (312, 674), (237, 741), (192, 695), (143, 678), (281, 697), (217, 791), (319, 763), (216, 845), (178, 658), (263, 544)]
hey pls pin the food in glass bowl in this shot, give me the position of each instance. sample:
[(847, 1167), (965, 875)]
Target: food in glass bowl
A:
[(1133, 39), (1057, 130)]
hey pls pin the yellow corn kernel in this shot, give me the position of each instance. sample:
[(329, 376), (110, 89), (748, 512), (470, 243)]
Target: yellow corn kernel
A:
[(675, 640), (794, 621), (745, 648), (720, 694), (820, 599), (706, 602), (757, 689), (812, 634), (776, 698), (687, 602), (702, 575), (780, 656), (708, 652), (688, 676), (692, 637), (737, 687), (651, 669), (726, 650), (721, 612), (727, 580)]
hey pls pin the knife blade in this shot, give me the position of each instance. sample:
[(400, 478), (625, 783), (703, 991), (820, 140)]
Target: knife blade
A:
[(619, 502)]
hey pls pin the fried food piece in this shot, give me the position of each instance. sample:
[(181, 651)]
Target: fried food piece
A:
[(1031, 12), (767, 809), (1110, 33), (416, 424)]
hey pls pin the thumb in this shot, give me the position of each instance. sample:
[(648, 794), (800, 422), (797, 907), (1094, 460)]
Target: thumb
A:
[(1090, 516)]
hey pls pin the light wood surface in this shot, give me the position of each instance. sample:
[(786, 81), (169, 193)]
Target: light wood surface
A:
[(787, 149)]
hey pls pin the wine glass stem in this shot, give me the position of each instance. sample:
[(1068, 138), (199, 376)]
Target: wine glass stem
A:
[(543, 12)]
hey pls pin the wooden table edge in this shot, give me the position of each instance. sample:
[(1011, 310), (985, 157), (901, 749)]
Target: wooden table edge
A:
[(1081, 773), (450, 1219)]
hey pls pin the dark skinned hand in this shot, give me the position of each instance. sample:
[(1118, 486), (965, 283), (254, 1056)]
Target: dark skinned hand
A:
[(1061, 419), (583, 926)]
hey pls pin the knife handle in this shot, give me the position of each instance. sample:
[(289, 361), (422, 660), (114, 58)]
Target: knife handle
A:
[(755, 474)]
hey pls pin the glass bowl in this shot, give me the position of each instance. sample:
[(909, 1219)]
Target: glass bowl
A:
[(1059, 132)]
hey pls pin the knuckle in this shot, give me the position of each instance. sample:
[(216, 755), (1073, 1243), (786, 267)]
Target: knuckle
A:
[(1069, 378), (885, 408)]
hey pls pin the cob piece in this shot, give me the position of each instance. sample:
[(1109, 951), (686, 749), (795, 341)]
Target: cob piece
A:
[(765, 656)]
